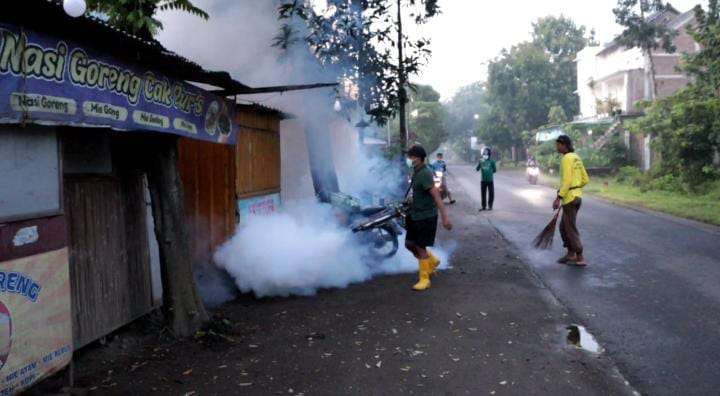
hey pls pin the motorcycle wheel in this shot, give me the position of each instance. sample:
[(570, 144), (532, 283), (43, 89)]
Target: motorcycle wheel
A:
[(384, 242)]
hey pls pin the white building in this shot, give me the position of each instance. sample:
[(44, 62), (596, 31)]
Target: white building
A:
[(612, 79)]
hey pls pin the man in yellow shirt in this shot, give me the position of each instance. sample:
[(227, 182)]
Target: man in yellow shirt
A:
[(573, 178)]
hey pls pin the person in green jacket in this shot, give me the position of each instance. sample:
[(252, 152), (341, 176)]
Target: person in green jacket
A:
[(422, 218), (487, 184)]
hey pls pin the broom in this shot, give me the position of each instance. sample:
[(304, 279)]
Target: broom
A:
[(544, 240)]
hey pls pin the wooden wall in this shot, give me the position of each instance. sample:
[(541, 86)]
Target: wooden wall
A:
[(215, 176), (109, 256), (208, 174), (258, 153)]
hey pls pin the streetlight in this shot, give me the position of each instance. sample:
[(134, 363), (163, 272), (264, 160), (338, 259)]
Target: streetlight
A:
[(476, 116), (414, 113), (74, 8)]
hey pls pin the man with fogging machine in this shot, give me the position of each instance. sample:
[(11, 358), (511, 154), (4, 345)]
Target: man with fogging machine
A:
[(421, 221), (573, 177)]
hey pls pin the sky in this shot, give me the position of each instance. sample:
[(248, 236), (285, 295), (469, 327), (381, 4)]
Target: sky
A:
[(465, 36), (469, 33)]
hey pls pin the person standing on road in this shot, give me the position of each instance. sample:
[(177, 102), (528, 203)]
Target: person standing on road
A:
[(573, 177), (487, 184), (421, 221), (441, 166)]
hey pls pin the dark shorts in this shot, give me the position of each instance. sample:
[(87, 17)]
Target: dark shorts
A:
[(421, 232)]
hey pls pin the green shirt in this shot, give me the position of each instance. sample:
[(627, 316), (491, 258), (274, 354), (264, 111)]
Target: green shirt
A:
[(423, 205), (488, 169)]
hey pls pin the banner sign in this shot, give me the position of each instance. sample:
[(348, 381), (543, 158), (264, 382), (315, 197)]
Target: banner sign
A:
[(50, 81), (258, 206), (35, 321)]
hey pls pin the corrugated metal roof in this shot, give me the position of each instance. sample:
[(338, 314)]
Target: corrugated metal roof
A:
[(48, 16)]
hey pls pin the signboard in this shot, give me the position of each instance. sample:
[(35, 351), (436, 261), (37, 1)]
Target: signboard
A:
[(35, 320), (50, 81), (258, 206)]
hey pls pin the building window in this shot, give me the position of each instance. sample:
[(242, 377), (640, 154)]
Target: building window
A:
[(29, 173)]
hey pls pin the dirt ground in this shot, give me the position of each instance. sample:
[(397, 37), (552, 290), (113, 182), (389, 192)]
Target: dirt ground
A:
[(487, 326)]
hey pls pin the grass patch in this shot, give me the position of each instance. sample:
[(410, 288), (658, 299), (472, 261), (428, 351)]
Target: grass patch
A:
[(705, 208)]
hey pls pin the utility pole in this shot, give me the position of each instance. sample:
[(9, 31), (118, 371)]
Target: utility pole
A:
[(401, 80)]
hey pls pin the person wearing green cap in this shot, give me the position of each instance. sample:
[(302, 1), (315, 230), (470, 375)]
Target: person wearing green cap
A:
[(422, 218)]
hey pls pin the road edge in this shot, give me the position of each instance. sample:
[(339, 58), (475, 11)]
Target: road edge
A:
[(700, 225)]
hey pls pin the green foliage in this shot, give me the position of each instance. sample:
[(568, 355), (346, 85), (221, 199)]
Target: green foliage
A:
[(612, 155), (138, 16), (528, 80), (639, 31), (629, 175), (429, 124), (468, 102), (686, 132), (556, 116), (424, 93), (358, 40), (667, 182), (704, 65), (547, 156), (427, 119)]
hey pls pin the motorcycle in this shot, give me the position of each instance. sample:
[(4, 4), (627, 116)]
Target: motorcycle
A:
[(532, 173), (439, 179), (377, 227)]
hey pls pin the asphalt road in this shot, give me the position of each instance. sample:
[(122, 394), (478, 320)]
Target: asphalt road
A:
[(487, 326), (651, 293)]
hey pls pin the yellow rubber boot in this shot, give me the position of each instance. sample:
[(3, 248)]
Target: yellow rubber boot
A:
[(424, 274), (434, 262)]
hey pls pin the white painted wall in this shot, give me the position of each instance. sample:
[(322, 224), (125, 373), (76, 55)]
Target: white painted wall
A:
[(296, 182), (606, 72)]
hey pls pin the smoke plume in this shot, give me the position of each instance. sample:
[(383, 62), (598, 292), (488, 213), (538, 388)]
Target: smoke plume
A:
[(303, 248)]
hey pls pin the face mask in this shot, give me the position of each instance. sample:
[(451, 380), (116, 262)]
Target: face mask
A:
[(486, 157), (409, 162)]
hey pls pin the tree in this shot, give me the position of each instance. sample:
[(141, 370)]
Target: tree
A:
[(363, 41), (182, 305), (556, 116), (520, 94), (427, 118), (643, 32), (529, 79), (138, 16), (464, 111), (704, 65), (562, 39)]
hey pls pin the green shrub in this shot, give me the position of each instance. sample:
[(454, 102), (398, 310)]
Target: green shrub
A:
[(668, 182), (546, 155), (629, 175), (711, 189)]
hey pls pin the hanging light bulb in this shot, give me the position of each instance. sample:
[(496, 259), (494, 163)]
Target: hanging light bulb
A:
[(337, 106), (74, 8)]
